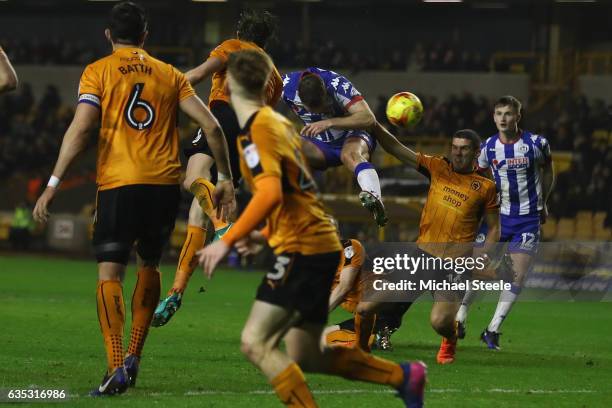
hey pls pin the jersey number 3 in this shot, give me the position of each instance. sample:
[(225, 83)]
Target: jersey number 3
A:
[(134, 105)]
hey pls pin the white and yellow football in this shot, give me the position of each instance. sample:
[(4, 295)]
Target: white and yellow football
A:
[(404, 109)]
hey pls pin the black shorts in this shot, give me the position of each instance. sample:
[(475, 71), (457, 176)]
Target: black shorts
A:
[(140, 213), (301, 282), (229, 123)]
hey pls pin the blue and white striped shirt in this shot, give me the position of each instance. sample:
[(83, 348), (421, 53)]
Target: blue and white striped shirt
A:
[(516, 169)]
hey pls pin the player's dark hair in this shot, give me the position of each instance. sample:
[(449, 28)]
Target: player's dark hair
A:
[(470, 135), (127, 23), (311, 90), (509, 100), (256, 26), (251, 69)]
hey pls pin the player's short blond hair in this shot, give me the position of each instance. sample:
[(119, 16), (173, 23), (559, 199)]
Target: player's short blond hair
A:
[(251, 69)]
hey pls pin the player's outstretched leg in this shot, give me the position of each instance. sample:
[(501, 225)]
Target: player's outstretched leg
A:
[(408, 378), (355, 155), (194, 241)]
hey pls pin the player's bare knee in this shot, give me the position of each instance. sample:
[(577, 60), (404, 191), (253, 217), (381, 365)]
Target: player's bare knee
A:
[(352, 158), (254, 350)]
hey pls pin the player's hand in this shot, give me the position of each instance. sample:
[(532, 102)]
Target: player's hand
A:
[(251, 244), (41, 210), (315, 128), (544, 214), (210, 256), (224, 199)]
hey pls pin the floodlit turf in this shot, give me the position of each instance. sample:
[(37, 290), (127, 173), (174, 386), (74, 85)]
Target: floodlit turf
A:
[(553, 354)]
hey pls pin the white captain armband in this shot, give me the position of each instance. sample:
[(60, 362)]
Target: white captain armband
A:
[(90, 99)]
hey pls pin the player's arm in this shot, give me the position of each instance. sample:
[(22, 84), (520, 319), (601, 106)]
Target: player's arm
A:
[(204, 70), (360, 117), (393, 146), (75, 140), (224, 193), (268, 195), (348, 274), (548, 182), (8, 76)]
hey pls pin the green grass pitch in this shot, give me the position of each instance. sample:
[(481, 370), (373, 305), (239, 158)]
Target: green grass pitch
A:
[(554, 354)]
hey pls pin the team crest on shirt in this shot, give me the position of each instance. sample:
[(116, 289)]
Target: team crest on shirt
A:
[(475, 185), (523, 149), (251, 156)]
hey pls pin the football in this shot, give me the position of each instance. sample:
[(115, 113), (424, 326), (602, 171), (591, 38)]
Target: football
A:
[(404, 109)]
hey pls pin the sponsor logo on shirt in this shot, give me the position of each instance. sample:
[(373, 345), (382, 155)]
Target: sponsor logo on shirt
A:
[(517, 163)]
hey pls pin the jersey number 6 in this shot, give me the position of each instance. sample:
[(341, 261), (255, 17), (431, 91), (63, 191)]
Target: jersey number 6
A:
[(135, 103)]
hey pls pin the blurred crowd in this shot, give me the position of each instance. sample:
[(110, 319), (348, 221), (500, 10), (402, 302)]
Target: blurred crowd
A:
[(420, 57), (50, 51), (584, 127), (30, 129)]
